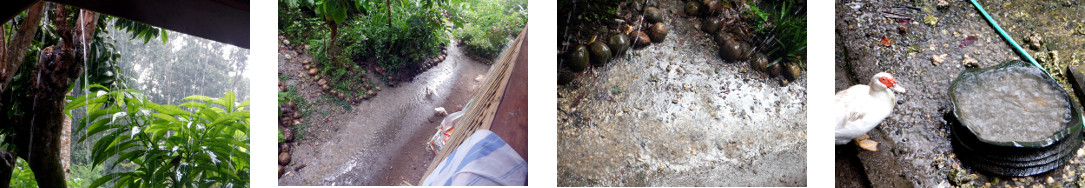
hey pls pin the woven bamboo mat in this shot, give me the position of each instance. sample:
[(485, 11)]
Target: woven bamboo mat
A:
[(483, 106)]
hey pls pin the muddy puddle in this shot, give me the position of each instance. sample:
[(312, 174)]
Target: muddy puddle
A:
[(675, 114), (926, 45), (382, 141)]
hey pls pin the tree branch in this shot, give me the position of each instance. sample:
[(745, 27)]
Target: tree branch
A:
[(15, 51)]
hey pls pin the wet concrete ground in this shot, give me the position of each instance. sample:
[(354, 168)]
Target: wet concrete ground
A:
[(675, 114), (915, 145), (381, 141)]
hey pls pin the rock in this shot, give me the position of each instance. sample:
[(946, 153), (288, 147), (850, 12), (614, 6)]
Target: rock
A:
[(969, 62), (1034, 41), (325, 88), (653, 15), (640, 39), (694, 8), (322, 81), (341, 95), (284, 158), (942, 3), (710, 25), (659, 32), (938, 59), (930, 20), (334, 92), (618, 43), (313, 71), (577, 60), (600, 53)]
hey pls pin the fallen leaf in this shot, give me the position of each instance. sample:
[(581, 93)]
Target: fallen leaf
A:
[(886, 42), (967, 41)]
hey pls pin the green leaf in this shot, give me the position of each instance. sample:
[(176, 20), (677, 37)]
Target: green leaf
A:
[(165, 36)]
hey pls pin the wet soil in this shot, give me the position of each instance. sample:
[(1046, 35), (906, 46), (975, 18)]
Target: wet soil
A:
[(675, 114), (915, 144), (383, 140)]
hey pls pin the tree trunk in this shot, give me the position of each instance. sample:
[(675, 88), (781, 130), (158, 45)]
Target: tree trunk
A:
[(389, 4), (14, 52), (53, 74), (7, 163)]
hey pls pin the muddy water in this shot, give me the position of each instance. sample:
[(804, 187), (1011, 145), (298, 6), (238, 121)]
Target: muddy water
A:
[(1012, 104), (383, 140), (915, 138), (675, 114)]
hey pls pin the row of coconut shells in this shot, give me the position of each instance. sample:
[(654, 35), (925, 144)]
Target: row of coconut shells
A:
[(288, 117), (734, 49), (601, 51), (314, 72)]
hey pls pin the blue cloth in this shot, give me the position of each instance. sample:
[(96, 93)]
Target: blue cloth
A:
[(483, 159)]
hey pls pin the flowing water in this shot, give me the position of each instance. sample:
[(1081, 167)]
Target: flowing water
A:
[(675, 114), (383, 140)]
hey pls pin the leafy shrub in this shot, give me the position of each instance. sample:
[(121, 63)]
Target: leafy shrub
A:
[(416, 33), (489, 25), (203, 144)]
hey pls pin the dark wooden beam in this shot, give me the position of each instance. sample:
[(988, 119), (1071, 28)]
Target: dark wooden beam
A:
[(225, 21), (10, 8)]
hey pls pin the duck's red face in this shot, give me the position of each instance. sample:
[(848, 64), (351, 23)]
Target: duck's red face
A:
[(888, 81)]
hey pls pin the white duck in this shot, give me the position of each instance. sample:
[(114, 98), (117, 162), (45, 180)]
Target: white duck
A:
[(860, 108)]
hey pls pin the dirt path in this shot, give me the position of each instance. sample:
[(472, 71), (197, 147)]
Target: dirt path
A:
[(382, 141), (675, 114), (915, 138)]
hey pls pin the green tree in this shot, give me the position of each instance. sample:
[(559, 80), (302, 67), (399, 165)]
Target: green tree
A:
[(203, 142)]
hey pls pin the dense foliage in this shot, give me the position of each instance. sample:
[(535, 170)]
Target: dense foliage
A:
[(396, 34), (203, 142), (489, 24), (783, 26)]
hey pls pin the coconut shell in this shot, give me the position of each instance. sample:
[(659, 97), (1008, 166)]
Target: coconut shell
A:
[(313, 71), (653, 15), (759, 62), (793, 71), (640, 39), (713, 6), (288, 135), (694, 8), (731, 50), (710, 25), (659, 32), (618, 43), (281, 171), (284, 158), (600, 53), (775, 70), (284, 148), (565, 76), (577, 60)]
